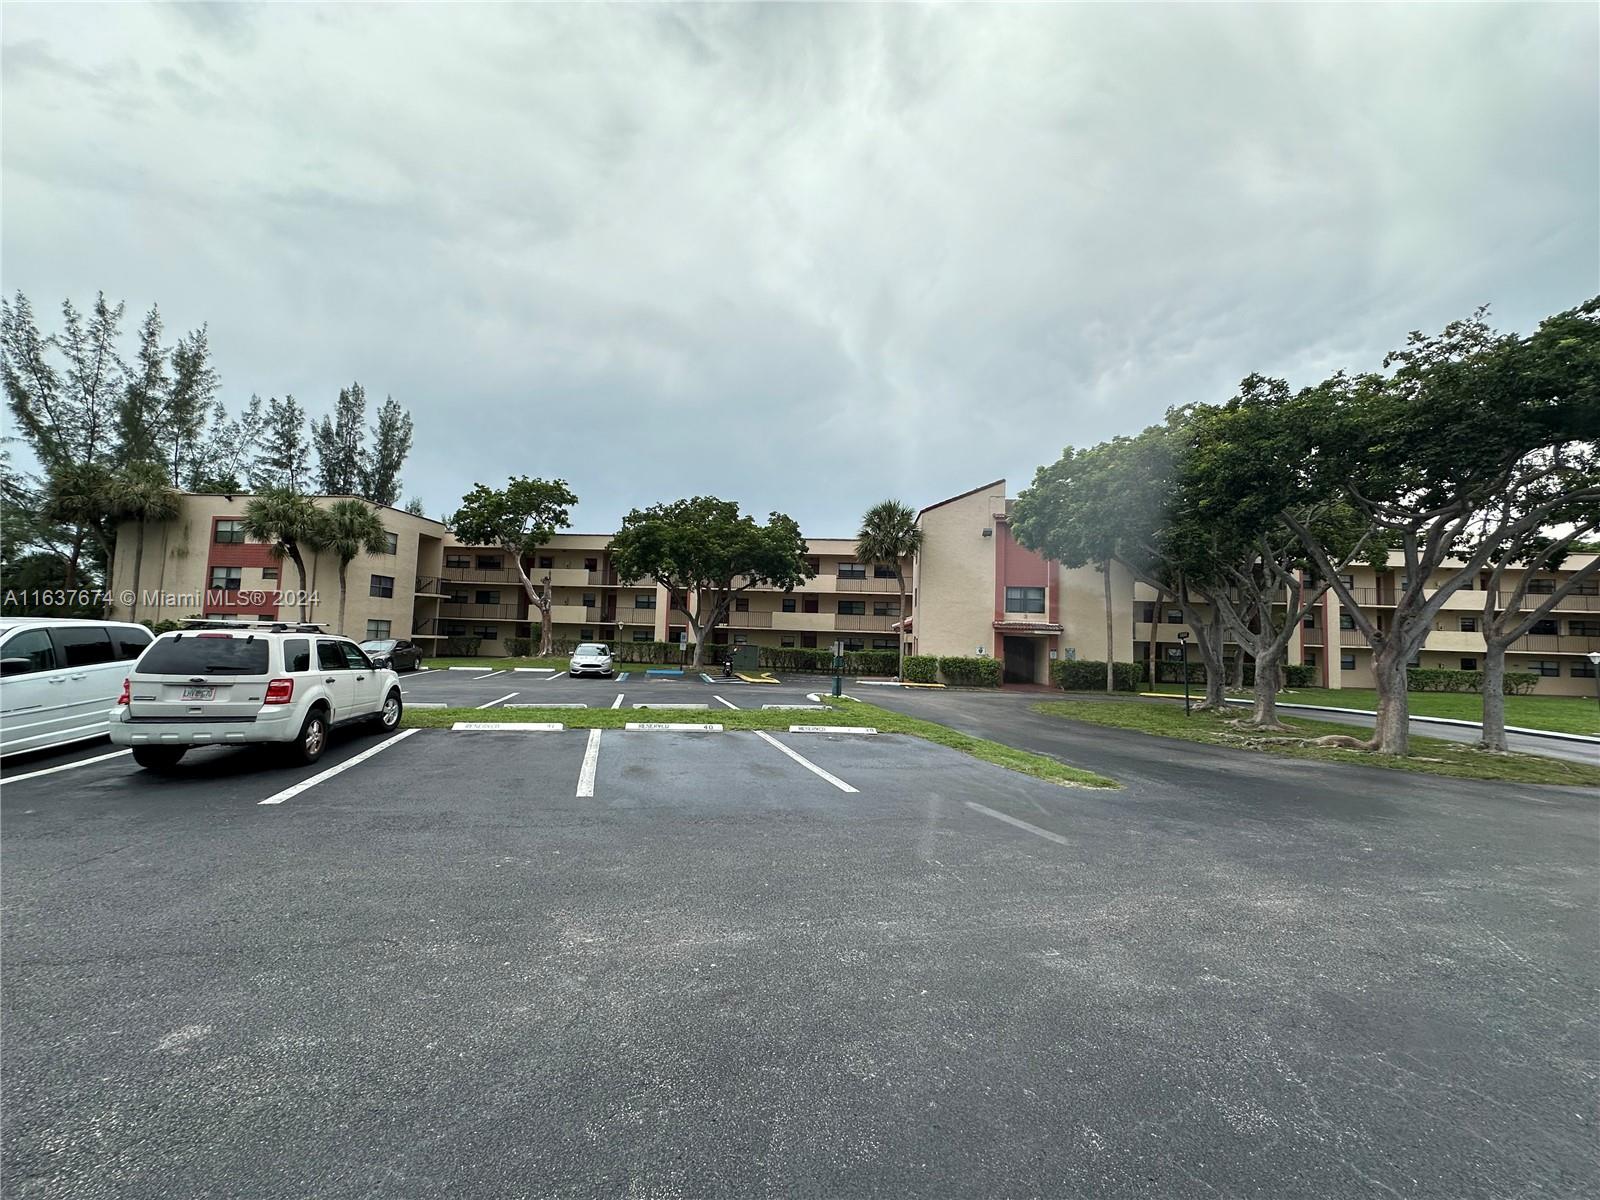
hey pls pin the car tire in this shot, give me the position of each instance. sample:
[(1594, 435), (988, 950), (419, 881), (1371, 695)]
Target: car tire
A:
[(312, 740), (388, 716), (158, 758)]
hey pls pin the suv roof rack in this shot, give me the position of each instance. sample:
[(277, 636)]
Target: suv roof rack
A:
[(256, 626)]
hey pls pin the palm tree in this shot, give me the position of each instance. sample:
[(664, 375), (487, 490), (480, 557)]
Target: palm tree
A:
[(287, 521), (141, 492), (890, 533), (351, 527)]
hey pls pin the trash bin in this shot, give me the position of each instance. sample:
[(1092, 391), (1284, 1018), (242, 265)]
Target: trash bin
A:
[(746, 658)]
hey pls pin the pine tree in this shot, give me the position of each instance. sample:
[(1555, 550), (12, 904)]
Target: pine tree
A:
[(284, 461), (391, 443), (338, 441)]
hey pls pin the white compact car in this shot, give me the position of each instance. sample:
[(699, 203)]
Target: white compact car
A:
[(59, 675), (591, 658), (238, 685)]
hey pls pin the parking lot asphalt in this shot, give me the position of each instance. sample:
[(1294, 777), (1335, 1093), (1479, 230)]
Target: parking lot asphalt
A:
[(664, 964)]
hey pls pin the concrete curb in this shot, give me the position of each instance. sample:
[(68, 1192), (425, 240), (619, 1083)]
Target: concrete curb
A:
[(665, 727), (498, 726), (832, 729)]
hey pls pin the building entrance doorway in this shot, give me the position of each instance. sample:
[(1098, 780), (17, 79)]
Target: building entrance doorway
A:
[(1022, 660)]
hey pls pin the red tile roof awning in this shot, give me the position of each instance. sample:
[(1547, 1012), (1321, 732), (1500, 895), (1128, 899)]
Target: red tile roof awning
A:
[(1039, 627)]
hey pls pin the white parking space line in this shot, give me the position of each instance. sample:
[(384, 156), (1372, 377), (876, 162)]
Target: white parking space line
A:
[(617, 703), (806, 762), (82, 762), (492, 703), (1033, 829), (553, 678), (490, 675), (289, 793), (729, 703), (533, 669), (591, 760)]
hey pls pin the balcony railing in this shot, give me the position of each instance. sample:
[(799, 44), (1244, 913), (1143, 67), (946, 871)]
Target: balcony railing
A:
[(451, 611), (852, 622), (749, 620), (1552, 643), (604, 616), (1352, 637), (1311, 637), (870, 584)]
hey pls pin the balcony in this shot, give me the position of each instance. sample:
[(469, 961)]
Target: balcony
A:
[(563, 614), (600, 616), (560, 576), (449, 611), (503, 578), (1552, 643), (749, 620), (1352, 637), (851, 623), (1311, 637), (430, 587), (869, 584), (809, 621)]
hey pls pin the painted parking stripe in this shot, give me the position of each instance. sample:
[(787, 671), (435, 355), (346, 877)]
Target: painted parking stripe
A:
[(591, 760), (289, 793), (553, 678), (533, 668), (490, 675), (501, 726), (729, 703), (617, 703), (623, 677), (492, 703), (82, 762), (465, 668), (806, 762), (1033, 829)]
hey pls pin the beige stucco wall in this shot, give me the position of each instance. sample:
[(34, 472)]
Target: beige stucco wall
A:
[(954, 600)]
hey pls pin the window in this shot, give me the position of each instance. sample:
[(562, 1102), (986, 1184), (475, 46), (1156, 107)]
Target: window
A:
[(378, 630), (882, 571), (1581, 670), (1347, 661), (481, 596), (883, 643), (381, 585), (886, 608), (1550, 670), (852, 570), (1469, 664), (787, 643), (1469, 624), (741, 604), (28, 652), (788, 604), (354, 658), (1544, 627), (585, 635), (228, 579), (1584, 628), (207, 654), (1310, 621), (296, 654), (457, 596), (455, 630), (809, 604), (268, 573), (1349, 581), (1308, 658), (229, 532), (1346, 621), (853, 608), (546, 562), (130, 643), (488, 562), (740, 639), (1541, 587), (330, 657), (457, 562), (814, 566), (391, 542), (1587, 587), (1144, 612), (1025, 599), (642, 635), (644, 599), (808, 641), (1174, 616), (854, 644), (591, 564), (487, 633)]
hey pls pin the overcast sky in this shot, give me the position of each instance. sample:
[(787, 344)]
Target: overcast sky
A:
[(801, 257)]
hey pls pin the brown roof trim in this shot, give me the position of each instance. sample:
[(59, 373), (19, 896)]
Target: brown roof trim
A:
[(1000, 483)]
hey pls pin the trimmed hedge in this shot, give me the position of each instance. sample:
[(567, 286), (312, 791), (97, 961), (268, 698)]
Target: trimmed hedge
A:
[(1295, 675), (970, 672), (1087, 675), (1438, 679), (462, 647), (519, 647), (922, 668)]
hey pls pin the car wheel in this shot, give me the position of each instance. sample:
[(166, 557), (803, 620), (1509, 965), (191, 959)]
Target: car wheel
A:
[(158, 758), (389, 714), (313, 739)]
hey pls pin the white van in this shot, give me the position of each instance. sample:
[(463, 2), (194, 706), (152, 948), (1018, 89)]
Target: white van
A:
[(60, 676)]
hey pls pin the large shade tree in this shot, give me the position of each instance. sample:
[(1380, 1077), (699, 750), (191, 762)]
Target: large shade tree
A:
[(704, 552), (889, 536), (518, 518)]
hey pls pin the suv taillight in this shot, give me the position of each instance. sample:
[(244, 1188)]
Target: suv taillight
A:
[(280, 691), (124, 698)]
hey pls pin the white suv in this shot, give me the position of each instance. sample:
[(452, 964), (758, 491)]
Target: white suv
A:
[(237, 685)]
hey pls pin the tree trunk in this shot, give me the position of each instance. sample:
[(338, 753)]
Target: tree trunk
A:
[(138, 570), (1236, 671), (1111, 649), (1269, 677), (300, 569), (547, 635), (71, 576), (1494, 697), (344, 564), (1392, 734), (1209, 643), (1150, 645), (900, 642)]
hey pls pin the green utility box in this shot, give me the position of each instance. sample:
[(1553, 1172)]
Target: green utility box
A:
[(745, 658)]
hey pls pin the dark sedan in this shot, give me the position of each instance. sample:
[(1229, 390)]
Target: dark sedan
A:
[(397, 655)]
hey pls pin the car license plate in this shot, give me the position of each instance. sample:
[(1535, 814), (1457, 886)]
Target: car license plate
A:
[(199, 693)]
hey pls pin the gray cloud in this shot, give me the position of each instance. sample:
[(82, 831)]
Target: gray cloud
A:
[(806, 257)]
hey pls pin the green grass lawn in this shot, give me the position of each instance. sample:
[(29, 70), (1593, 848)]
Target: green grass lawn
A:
[(1559, 714), (839, 713), (1428, 755)]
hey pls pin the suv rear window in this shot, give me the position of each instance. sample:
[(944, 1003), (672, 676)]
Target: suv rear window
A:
[(198, 655)]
